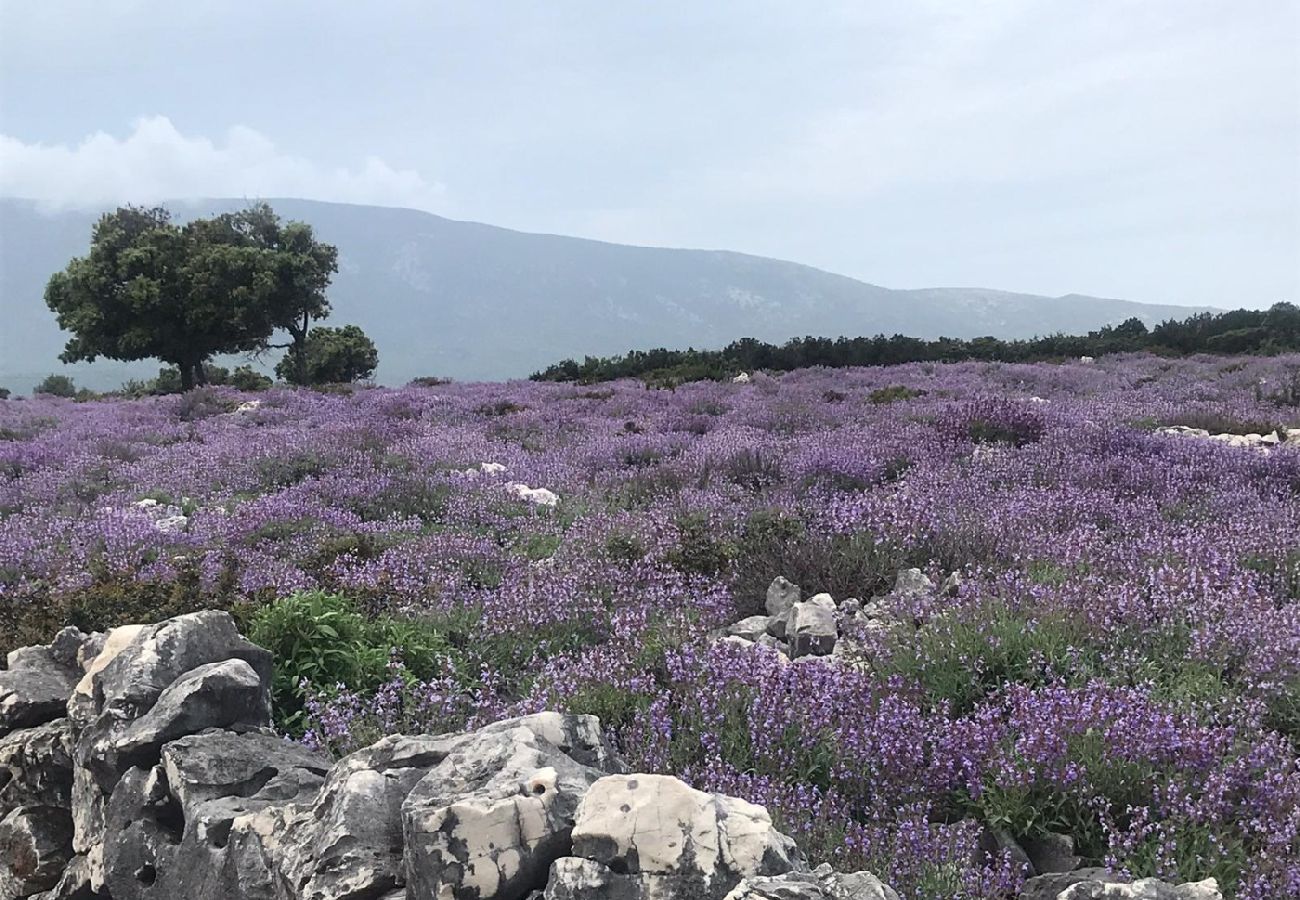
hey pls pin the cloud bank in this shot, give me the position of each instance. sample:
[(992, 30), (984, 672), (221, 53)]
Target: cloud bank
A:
[(157, 162)]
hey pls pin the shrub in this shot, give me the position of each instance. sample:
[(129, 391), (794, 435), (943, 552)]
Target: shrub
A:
[(4, 393), (429, 381), (894, 393), (995, 420), (699, 549), (245, 378), (56, 386), (322, 642)]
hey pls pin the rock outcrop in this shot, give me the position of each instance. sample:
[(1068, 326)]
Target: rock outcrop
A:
[(159, 778)]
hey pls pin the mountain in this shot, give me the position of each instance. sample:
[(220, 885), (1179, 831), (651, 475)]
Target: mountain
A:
[(472, 301)]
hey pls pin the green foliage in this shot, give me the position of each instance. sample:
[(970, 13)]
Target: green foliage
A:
[(1245, 331), (894, 394), (4, 393), (149, 288), (56, 386), (699, 549), (321, 641), (330, 356)]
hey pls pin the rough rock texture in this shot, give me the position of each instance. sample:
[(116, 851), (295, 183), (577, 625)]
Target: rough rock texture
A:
[(811, 629), (164, 782), (1143, 889), (35, 844), (1050, 886), (820, 884), (913, 581), (781, 596), (1051, 853), (489, 820), (33, 690), (652, 837), (751, 629)]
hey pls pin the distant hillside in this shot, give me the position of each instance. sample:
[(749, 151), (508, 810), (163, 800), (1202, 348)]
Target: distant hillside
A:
[(474, 301)]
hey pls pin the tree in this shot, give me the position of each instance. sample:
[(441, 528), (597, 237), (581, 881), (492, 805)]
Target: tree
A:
[(151, 289), (56, 386), (330, 355)]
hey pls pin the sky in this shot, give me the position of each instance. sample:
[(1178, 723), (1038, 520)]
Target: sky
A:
[(1145, 150)]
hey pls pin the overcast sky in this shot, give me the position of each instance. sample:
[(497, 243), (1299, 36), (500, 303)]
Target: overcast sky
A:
[(1147, 149)]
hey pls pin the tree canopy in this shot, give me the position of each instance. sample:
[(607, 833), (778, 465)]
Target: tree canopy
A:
[(150, 288), (330, 355)]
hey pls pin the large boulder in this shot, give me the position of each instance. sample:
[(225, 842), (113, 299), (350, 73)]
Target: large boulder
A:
[(36, 767), (781, 596), (35, 846), (1142, 889), (202, 823), (811, 628), (653, 837), (820, 884), (34, 689), (350, 840), (488, 821)]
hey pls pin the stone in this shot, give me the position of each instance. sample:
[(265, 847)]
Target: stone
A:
[(1142, 889), (81, 705), (1051, 853), (74, 884), (215, 695), (36, 767), (66, 647), (820, 884), (661, 838), (850, 607), (781, 596), (350, 839), (994, 842), (812, 629), (34, 689), (751, 629), (913, 581), (35, 846), (1052, 885), (490, 819), (951, 586)]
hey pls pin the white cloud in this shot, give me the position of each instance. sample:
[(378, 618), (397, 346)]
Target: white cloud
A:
[(156, 162)]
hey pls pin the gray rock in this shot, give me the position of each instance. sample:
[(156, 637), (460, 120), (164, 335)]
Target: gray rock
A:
[(652, 836), (1143, 889), (74, 884), (34, 690), (951, 586), (851, 607), (489, 820), (995, 841), (36, 767), (820, 884), (35, 846), (913, 581), (90, 648), (215, 695), (751, 629), (66, 647), (1052, 853), (1051, 886), (781, 595), (812, 629)]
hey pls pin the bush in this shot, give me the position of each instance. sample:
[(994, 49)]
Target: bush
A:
[(893, 394), (246, 378), (56, 386), (4, 393), (322, 642)]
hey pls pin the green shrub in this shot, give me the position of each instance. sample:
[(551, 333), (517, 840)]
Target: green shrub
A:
[(894, 393), (321, 640), (56, 386), (700, 550)]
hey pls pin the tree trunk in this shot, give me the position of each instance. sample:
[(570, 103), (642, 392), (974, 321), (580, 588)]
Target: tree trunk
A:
[(200, 374), (187, 376)]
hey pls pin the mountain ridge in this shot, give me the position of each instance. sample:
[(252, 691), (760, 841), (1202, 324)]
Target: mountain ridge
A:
[(477, 301)]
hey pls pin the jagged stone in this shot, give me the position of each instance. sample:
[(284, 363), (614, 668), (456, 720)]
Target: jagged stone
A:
[(35, 846), (34, 689), (489, 820), (1142, 889), (812, 630), (1052, 885), (994, 842), (913, 581), (820, 884), (751, 629), (781, 595), (653, 836), (36, 767), (1051, 853), (73, 884)]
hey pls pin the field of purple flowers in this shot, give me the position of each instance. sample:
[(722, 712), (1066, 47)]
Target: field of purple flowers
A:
[(1121, 662)]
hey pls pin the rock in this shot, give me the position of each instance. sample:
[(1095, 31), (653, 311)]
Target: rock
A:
[(90, 648), (350, 839), (1051, 853), (36, 767), (653, 836), (742, 378), (215, 695), (82, 706), (1051, 886), (66, 647), (851, 607), (35, 846), (34, 689), (781, 596), (751, 629), (1142, 889), (951, 586), (204, 823), (913, 581), (73, 885), (994, 842), (812, 629), (820, 884), (488, 821)]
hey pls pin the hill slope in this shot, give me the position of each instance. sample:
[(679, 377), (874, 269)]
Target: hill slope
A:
[(478, 302)]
